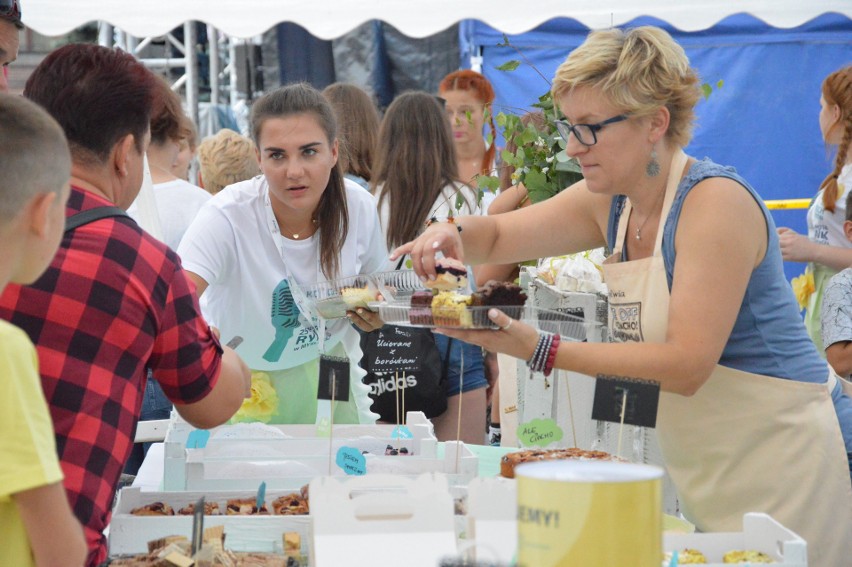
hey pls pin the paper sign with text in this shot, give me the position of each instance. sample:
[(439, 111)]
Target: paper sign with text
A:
[(642, 400), (539, 433), (351, 461), (333, 379)]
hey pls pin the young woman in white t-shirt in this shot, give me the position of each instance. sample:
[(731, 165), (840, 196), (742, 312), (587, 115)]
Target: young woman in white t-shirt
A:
[(826, 247), (415, 178), (298, 221)]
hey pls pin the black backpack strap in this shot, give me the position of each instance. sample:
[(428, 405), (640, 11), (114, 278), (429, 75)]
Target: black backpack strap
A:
[(91, 215)]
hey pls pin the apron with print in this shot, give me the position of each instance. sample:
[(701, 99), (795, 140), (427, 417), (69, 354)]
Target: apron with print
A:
[(744, 442)]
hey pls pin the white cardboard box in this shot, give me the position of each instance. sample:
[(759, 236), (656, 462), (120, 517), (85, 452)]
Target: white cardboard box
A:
[(129, 534), (359, 522), (492, 519), (760, 533)]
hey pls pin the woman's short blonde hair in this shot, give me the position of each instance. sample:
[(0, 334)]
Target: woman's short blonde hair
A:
[(225, 159), (638, 70)]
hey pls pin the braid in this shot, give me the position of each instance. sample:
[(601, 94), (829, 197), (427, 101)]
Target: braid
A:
[(837, 89)]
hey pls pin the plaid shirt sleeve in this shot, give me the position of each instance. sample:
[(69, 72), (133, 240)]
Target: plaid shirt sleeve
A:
[(186, 358)]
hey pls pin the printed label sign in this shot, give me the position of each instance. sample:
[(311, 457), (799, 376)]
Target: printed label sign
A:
[(626, 321), (351, 461), (539, 433)]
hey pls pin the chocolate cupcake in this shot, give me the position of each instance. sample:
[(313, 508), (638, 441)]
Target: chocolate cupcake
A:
[(509, 297)]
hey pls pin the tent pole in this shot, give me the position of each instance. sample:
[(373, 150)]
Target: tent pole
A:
[(190, 40), (106, 34), (213, 56)]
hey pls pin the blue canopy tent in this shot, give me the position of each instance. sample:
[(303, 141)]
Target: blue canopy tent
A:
[(764, 118)]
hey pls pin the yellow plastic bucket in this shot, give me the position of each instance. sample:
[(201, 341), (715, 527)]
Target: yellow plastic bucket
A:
[(589, 514)]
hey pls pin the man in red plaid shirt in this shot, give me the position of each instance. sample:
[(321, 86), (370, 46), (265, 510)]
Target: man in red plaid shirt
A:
[(114, 301)]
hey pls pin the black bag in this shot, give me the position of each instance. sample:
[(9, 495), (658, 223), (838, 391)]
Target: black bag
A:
[(408, 360)]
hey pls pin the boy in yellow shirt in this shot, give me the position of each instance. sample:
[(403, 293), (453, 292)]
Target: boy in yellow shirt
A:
[(37, 527)]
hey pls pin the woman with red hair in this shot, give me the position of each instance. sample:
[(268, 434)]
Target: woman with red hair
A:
[(825, 247), (468, 96)]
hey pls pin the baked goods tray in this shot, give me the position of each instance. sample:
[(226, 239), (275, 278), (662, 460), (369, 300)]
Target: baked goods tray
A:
[(476, 317), (333, 298)]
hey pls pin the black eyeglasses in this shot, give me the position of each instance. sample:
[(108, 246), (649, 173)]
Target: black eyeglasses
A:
[(586, 134), (10, 10)]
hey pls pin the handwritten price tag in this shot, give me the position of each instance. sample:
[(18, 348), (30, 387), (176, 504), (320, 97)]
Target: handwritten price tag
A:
[(351, 461), (197, 439), (539, 433), (401, 432)]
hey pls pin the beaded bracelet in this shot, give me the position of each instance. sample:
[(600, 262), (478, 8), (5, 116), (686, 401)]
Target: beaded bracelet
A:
[(551, 355), (538, 361), (452, 220), (536, 355)]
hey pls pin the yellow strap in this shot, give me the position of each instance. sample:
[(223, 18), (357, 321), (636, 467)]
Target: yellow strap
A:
[(788, 204)]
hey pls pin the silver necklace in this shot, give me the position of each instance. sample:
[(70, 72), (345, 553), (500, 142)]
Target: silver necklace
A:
[(644, 222)]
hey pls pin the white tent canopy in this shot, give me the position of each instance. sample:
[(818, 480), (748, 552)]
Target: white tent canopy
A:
[(329, 19)]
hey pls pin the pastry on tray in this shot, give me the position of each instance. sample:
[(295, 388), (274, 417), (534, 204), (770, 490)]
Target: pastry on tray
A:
[(355, 297), (506, 295), (245, 507), (153, 509), (512, 460), (450, 309), (450, 274), (290, 505), (747, 556), (210, 509), (420, 312)]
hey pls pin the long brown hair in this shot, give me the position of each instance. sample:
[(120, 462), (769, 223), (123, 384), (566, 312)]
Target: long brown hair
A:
[(837, 89), (415, 160), (467, 80), (332, 213), (358, 120)]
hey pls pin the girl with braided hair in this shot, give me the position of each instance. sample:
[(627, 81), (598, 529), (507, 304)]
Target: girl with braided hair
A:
[(826, 247), (468, 96)]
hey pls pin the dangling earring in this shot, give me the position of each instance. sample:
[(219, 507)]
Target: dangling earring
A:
[(653, 167)]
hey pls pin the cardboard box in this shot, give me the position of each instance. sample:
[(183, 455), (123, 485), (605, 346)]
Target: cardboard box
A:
[(492, 520), (360, 522), (129, 534), (760, 533)]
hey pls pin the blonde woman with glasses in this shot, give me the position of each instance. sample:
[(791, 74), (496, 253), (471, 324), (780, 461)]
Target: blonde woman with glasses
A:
[(698, 298)]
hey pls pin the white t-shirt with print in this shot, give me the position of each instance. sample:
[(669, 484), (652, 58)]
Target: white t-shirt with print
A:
[(825, 227), (233, 246)]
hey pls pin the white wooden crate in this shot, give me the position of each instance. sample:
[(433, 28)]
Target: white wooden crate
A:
[(301, 454), (204, 472), (760, 533), (129, 534)]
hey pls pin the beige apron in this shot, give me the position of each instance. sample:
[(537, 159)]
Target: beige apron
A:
[(744, 442)]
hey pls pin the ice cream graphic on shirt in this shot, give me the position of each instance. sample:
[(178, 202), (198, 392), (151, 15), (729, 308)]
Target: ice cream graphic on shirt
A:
[(285, 320)]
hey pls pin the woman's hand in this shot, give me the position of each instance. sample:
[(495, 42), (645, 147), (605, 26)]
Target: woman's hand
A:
[(513, 337), (795, 247), (440, 236), (365, 319)]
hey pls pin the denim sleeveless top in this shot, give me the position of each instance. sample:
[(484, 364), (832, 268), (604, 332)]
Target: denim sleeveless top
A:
[(768, 337)]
